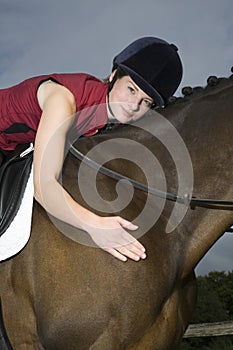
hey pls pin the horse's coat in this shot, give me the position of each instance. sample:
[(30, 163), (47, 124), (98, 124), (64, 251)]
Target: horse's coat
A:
[(59, 294)]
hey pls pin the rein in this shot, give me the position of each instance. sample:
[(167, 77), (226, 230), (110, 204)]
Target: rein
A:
[(192, 202)]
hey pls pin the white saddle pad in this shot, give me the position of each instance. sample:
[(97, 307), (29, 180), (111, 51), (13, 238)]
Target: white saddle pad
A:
[(17, 235)]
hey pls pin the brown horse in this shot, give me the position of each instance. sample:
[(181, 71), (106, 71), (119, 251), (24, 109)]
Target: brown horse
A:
[(63, 295)]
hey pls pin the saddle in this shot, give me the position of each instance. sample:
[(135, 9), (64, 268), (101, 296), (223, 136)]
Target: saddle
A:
[(14, 174)]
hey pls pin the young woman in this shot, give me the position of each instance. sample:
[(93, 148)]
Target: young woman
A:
[(41, 109)]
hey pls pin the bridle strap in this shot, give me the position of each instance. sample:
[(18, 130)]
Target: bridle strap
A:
[(191, 201)]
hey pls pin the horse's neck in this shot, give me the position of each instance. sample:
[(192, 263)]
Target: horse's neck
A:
[(207, 131), (205, 124)]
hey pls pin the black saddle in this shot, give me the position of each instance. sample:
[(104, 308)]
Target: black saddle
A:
[(14, 174)]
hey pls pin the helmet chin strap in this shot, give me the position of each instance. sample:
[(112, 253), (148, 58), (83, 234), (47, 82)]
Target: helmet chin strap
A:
[(109, 107), (112, 82), (110, 86)]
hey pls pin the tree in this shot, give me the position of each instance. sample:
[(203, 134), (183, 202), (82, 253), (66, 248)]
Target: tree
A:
[(210, 307), (223, 283), (214, 304)]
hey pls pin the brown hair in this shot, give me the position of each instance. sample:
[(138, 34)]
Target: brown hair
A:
[(120, 73)]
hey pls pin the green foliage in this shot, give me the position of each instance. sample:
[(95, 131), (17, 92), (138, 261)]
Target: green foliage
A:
[(209, 305), (214, 304), (223, 283)]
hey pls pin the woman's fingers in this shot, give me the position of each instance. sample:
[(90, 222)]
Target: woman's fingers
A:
[(127, 251), (127, 224), (116, 254), (132, 251), (110, 234)]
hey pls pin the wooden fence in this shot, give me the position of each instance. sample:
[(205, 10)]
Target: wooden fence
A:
[(214, 329)]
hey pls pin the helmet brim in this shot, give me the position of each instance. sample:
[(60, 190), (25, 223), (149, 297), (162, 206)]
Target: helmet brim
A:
[(144, 85)]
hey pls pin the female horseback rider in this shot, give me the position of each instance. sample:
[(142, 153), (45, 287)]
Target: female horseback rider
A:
[(42, 109)]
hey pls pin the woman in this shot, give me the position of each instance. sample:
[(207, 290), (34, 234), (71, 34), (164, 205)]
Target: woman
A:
[(41, 109)]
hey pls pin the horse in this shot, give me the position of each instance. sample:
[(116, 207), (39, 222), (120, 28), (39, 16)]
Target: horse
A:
[(58, 293)]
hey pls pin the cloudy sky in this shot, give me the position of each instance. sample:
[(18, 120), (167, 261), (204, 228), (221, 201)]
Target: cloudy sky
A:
[(45, 36)]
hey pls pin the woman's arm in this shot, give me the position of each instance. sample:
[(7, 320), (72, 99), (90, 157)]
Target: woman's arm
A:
[(58, 106)]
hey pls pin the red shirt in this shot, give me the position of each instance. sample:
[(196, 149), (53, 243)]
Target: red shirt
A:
[(20, 112)]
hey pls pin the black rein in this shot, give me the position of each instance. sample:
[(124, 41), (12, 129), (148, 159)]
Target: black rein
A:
[(191, 201)]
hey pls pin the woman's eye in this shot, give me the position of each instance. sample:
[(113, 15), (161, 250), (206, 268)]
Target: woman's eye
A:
[(148, 103), (131, 89)]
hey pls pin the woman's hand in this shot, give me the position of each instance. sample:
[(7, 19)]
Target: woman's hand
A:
[(109, 234)]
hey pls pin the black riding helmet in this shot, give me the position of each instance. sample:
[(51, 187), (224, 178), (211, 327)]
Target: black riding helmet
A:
[(154, 65)]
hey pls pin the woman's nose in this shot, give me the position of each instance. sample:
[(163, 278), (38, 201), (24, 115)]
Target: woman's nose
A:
[(135, 104)]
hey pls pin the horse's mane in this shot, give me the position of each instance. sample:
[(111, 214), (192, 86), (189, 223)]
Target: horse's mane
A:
[(189, 92)]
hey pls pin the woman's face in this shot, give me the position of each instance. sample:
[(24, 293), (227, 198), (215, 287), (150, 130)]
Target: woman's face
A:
[(127, 101)]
